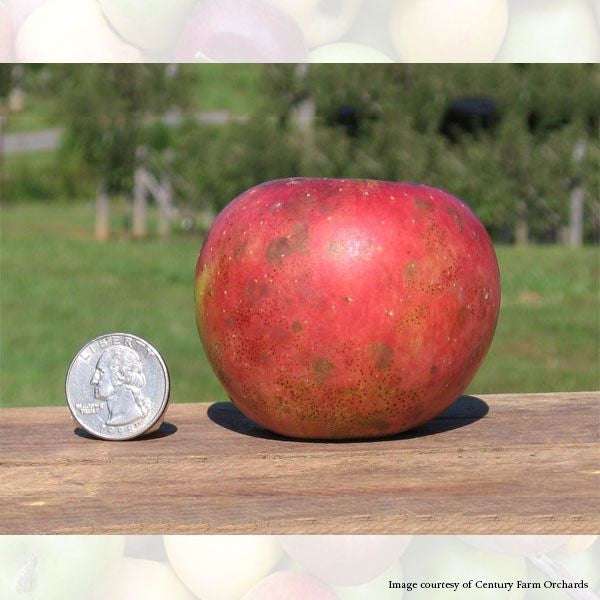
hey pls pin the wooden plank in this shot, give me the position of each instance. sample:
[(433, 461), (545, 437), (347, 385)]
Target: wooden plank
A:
[(498, 464)]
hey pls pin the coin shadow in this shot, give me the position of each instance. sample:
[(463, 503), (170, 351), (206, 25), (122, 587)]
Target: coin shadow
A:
[(463, 412), (165, 430)]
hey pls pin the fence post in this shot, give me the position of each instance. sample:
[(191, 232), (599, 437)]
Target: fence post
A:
[(164, 218), (102, 213), (304, 112), (575, 237), (139, 203), (521, 225)]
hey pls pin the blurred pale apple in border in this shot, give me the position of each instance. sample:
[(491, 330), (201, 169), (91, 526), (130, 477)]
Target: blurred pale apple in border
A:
[(71, 31), (136, 578), (290, 585), (551, 31), (56, 567), (149, 547), (376, 589), (21, 9), (148, 24), (222, 567), (345, 560), (448, 30), (448, 559), (321, 21), (579, 565), (577, 544), (346, 52), (240, 31), (522, 545), (6, 35)]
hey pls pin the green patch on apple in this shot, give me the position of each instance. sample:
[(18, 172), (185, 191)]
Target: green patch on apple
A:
[(148, 24)]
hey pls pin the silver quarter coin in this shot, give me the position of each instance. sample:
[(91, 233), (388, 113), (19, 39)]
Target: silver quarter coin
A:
[(118, 387)]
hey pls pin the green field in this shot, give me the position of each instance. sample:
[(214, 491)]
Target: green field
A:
[(59, 287)]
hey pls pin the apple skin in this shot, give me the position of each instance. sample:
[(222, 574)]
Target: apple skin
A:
[(222, 567), (345, 560), (551, 31), (59, 567), (240, 31), (442, 31), (319, 23), (148, 24), (345, 52), (339, 309), (6, 35), (68, 31), (148, 579), (290, 585)]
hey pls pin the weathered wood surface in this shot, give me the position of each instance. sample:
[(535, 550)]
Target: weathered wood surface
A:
[(528, 465)]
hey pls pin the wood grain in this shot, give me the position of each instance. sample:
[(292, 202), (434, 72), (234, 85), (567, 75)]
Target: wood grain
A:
[(498, 464)]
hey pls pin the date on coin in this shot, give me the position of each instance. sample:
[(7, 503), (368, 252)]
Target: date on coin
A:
[(117, 387)]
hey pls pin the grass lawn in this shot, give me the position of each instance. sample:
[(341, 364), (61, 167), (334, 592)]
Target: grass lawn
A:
[(59, 288)]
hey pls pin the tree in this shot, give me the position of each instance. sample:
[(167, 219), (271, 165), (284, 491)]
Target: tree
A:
[(5, 84), (105, 109)]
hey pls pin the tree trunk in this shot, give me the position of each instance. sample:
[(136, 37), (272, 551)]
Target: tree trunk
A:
[(2, 121), (521, 225), (304, 114), (139, 203), (576, 200), (102, 214)]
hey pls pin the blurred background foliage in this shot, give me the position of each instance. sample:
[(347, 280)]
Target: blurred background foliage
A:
[(514, 166), (519, 143)]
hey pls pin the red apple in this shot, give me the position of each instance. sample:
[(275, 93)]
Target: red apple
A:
[(240, 31), (345, 560), (288, 585), (346, 309)]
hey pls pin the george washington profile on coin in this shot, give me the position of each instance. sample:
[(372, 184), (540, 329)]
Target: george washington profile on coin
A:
[(119, 381)]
